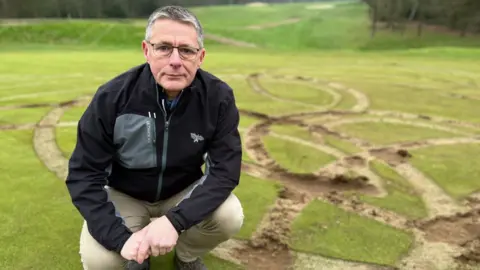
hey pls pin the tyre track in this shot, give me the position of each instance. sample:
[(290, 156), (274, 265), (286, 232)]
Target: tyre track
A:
[(252, 80), (45, 146), (44, 138), (334, 124), (437, 201)]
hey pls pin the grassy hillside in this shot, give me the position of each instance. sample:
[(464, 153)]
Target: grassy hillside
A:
[(299, 26)]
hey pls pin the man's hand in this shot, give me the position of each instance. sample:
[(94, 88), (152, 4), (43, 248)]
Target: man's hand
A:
[(160, 239), (130, 248)]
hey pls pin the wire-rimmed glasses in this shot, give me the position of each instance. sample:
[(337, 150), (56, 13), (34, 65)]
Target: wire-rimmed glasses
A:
[(165, 50)]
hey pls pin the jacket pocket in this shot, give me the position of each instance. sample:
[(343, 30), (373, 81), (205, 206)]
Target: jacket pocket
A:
[(135, 137)]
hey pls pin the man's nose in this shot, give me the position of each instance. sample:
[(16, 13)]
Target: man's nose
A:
[(175, 60)]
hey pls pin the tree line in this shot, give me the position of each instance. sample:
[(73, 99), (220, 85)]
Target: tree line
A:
[(100, 8), (461, 15)]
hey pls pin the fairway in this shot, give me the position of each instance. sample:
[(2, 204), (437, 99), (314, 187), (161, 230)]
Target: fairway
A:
[(353, 159)]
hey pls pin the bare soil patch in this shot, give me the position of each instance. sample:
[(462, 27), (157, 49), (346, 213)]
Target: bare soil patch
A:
[(458, 229)]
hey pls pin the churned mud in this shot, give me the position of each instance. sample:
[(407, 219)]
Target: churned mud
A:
[(268, 248)]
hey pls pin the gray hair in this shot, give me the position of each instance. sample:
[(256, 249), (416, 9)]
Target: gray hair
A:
[(175, 13)]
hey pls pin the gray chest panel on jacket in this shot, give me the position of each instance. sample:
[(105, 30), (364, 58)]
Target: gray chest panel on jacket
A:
[(135, 138)]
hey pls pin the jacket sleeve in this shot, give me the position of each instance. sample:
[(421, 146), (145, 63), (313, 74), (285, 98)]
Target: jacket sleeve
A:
[(225, 155), (87, 174)]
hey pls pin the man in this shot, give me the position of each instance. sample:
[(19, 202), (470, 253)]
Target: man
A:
[(140, 147)]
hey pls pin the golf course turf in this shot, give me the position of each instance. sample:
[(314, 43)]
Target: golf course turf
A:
[(365, 155)]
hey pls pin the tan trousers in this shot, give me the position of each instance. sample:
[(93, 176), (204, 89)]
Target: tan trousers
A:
[(192, 243)]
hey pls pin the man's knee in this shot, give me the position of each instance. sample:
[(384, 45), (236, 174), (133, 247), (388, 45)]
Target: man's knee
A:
[(228, 218), (96, 257)]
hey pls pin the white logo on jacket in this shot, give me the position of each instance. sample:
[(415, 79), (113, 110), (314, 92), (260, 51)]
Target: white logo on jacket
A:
[(196, 137)]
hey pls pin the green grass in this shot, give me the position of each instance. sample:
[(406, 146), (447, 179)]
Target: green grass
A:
[(295, 157), (87, 33), (73, 114), (246, 121), (297, 92), (400, 198), (325, 229), (247, 99), (452, 167), (22, 116), (416, 99), (342, 145), (388, 133), (347, 102), (245, 156), (39, 220), (66, 139), (293, 131)]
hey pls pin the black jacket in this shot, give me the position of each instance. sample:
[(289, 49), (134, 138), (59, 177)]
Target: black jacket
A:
[(126, 139)]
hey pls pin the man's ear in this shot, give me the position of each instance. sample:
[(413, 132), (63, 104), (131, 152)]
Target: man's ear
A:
[(145, 48), (202, 57)]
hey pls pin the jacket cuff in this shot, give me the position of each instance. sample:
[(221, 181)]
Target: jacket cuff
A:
[(175, 220), (121, 240)]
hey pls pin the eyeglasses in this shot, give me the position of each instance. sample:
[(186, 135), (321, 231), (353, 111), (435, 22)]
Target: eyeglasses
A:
[(165, 50)]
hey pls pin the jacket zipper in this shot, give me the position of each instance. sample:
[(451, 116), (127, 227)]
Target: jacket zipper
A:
[(154, 136), (165, 143)]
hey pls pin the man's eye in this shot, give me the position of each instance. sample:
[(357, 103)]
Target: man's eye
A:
[(163, 48), (187, 51)]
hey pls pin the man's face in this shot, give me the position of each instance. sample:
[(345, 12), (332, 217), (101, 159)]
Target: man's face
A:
[(173, 70)]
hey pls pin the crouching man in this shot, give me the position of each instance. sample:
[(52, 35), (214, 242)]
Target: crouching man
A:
[(141, 145)]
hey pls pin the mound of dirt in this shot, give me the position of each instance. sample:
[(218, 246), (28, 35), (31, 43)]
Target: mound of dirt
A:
[(459, 229), (391, 156), (351, 181), (473, 201), (293, 194), (472, 253), (274, 236), (355, 161)]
